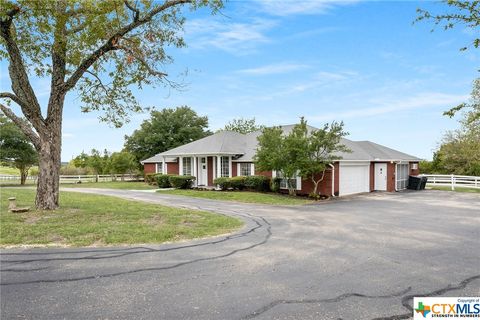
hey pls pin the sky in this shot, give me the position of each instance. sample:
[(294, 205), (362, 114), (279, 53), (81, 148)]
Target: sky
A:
[(361, 62)]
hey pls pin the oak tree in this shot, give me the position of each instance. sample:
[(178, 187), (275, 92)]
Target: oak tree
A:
[(98, 48)]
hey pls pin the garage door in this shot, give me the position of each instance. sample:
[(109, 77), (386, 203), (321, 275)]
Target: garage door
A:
[(354, 178)]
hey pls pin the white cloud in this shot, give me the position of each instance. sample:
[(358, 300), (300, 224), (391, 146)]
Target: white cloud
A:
[(274, 69), (67, 135), (322, 78), (295, 7), (237, 38), (390, 105)]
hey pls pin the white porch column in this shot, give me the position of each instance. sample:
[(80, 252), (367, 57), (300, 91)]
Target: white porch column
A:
[(253, 169), (195, 171), (219, 167), (164, 165), (230, 166), (180, 166)]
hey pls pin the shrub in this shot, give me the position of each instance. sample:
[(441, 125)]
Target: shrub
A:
[(181, 182), (223, 183), (237, 183), (163, 180), (150, 178), (257, 183), (275, 184)]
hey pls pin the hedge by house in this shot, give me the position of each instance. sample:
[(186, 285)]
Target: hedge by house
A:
[(150, 178), (181, 182), (257, 183), (163, 180)]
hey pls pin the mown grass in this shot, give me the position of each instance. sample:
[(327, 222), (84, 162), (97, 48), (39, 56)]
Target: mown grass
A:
[(85, 220), (457, 189), (13, 171), (241, 196), (126, 185)]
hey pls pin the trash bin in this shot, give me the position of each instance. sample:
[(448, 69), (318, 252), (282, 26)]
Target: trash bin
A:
[(414, 183), (423, 183)]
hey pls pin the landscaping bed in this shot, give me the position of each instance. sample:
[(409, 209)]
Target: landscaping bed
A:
[(85, 220)]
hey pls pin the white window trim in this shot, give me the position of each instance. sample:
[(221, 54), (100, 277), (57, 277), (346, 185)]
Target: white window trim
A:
[(239, 168), (298, 178), (396, 176), (159, 164)]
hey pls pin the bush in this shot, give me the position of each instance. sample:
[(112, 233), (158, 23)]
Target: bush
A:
[(275, 184), (150, 178), (237, 183), (181, 182), (223, 183), (163, 180), (257, 183)]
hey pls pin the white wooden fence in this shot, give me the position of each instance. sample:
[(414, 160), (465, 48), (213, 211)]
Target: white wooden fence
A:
[(76, 178), (453, 181)]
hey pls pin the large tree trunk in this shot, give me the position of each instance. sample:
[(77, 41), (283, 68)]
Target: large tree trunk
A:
[(48, 176), (48, 183)]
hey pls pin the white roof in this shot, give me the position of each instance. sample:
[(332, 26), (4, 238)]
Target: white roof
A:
[(243, 147)]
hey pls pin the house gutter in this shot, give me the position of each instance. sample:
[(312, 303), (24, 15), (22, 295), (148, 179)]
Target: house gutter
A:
[(333, 179)]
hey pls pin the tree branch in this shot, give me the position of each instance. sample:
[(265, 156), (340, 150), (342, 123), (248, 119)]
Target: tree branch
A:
[(18, 75), (136, 12), (13, 97), (23, 125), (109, 45), (142, 61)]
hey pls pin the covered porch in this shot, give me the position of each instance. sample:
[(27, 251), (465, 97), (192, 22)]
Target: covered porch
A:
[(204, 167)]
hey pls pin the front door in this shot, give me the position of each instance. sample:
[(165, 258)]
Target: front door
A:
[(202, 172), (381, 176)]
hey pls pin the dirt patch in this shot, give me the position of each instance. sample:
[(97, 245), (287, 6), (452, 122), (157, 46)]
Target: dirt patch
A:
[(156, 220)]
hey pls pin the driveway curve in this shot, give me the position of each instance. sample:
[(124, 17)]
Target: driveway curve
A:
[(363, 257)]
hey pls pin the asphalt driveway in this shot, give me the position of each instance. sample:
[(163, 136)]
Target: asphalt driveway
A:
[(359, 258)]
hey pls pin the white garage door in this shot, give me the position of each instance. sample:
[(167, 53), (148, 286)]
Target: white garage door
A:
[(354, 178)]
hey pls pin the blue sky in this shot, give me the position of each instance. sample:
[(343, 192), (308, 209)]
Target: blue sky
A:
[(360, 62)]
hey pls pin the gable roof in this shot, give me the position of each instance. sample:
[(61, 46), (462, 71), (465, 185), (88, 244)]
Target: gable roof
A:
[(244, 147)]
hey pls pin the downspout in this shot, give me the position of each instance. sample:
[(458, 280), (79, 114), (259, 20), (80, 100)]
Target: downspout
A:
[(333, 179)]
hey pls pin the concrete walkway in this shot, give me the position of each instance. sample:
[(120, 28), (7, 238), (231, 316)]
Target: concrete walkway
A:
[(360, 258)]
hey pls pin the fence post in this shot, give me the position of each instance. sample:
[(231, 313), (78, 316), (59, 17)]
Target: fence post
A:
[(453, 182)]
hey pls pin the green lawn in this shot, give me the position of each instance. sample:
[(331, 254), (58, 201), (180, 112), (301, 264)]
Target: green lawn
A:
[(241, 196), (11, 171), (85, 220), (457, 189), (128, 185)]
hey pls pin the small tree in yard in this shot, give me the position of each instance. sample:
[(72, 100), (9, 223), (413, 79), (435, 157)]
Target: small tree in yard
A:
[(303, 151), (322, 147), (15, 149), (100, 49), (282, 153)]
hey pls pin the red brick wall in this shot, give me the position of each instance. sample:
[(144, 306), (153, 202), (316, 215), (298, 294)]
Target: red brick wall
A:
[(172, 167), (324, 187), (149, 168), (264, 173), (391, 177), (413, 172), (234, 169), (210, 170)]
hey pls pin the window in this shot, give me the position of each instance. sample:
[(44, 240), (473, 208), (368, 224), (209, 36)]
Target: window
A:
[(159, 168), (284, 182), (245, 169), (187, 166), (224, 167), (402, 176), (414, 166)]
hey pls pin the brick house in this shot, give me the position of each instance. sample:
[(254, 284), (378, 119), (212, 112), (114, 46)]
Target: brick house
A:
[(369, 167)]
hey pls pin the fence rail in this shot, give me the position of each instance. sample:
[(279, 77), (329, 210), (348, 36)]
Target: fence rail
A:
[(453, 181), (77, 178)]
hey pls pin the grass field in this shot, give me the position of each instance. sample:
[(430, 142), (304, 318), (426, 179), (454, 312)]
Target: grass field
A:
[(12, 171), (457, 189), (127, 185), (241, 196), (85, 220)]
